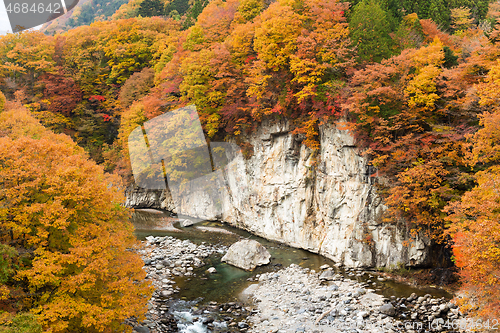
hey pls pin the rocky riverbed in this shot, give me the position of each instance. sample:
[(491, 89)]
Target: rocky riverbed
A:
[(297, 299), (291, 299), (168, 258)]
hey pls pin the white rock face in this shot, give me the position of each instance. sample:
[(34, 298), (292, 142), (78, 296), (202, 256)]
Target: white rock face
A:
[(247, 254), (326, 203)]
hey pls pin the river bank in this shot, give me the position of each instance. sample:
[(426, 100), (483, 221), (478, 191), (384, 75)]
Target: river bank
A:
[(297, 299)]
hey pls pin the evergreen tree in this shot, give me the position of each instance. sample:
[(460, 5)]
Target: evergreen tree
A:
[(180, 6), (150, 8), (370, 29), (193, 12), (437, 10)]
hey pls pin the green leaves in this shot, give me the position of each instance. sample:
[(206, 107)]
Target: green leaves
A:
[(370, 29)]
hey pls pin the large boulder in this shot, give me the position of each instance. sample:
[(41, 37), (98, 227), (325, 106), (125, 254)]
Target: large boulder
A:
[(186, 223), (247, 254)]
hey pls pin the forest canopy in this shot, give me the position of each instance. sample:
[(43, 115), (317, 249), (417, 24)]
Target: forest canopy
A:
[(415, 82)]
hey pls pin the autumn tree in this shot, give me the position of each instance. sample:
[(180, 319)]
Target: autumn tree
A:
[(475, 228), (475, 219), (461, 19), (127, 10), (249, 9), (137, 86), (409, 33), (19, 323), (65, 214), (117, 156), (104, 54), (479, 8), (25, 56), (62, 93), (402, 109)]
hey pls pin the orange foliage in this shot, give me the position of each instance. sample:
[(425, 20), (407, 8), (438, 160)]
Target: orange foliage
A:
[(60, 208), (475, 228), (431, 31)]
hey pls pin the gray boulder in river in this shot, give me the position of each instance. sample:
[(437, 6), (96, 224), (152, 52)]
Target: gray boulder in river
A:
[(186, 223), (247, 254)]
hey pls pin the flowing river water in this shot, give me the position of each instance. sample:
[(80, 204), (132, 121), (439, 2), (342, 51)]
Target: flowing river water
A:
[(228, 283)]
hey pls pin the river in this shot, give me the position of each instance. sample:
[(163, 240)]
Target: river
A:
[(228, 283)]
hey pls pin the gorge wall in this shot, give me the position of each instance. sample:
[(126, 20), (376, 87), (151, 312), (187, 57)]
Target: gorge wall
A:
[(326, 203)]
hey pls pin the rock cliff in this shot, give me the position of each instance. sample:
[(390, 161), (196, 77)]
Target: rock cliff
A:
[(325, 203)]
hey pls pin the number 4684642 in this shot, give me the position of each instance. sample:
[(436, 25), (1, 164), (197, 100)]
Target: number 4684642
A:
[(26, 8)]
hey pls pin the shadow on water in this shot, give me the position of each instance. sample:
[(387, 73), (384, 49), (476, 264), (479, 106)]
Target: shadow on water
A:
[(229, 281)]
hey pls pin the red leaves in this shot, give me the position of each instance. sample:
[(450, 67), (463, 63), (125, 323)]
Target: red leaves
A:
[(249, 59), (62, 92), (97, 98), (427, 140)]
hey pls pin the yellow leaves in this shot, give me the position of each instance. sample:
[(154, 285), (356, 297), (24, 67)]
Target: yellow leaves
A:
[(4, 293), (306, 92), (431, 55), (26, 52), (306, 72), (486, 141), (164, 49), (257, 80), (216, 19), (310, 129), (488, 91), (241, 41), (213, 122), (461, 19), (249, 9), (197, 73), (276, 35), (379, 160), (305, 67), (421, 90), (130, 119), (195, 38)]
